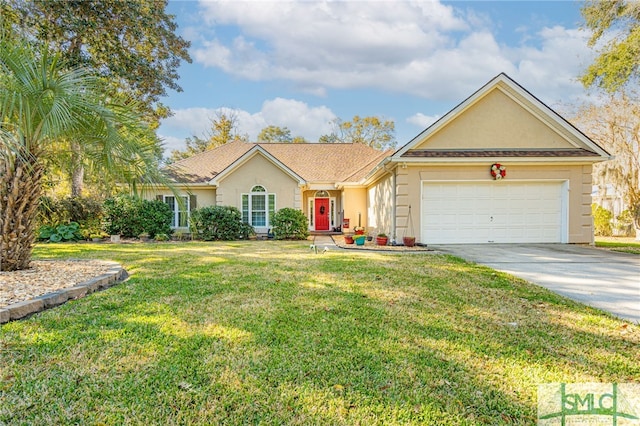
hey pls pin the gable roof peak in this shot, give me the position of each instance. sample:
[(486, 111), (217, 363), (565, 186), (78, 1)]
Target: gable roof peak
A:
[(507, 85)]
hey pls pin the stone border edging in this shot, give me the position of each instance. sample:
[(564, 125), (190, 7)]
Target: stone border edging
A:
[(15, 311)]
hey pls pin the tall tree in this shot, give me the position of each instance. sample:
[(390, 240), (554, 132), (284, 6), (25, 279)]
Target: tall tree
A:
[(615, 125), (617, 23), (194, 145), (224, 129), (131, 44), (275, 134), (372, 131), (43, 101)]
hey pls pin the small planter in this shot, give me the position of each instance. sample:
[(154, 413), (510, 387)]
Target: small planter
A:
[(409, 241), (348, 239), (382, 241), (360, 241)]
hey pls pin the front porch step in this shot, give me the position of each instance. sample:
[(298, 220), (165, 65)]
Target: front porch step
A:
[(318, 233)]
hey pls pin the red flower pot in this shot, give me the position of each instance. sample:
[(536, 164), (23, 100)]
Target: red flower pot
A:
[(409, 241)]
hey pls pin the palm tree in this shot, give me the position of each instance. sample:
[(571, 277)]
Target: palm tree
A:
[(41, 103)]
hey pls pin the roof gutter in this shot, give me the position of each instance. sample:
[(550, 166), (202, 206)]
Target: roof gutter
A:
[(381, 166)]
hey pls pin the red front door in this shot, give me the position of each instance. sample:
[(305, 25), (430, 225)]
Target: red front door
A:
[(322, 214)]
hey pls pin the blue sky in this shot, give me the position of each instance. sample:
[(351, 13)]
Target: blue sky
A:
[(301, 64)]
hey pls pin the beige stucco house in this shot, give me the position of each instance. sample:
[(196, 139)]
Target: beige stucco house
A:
[(501, 167)]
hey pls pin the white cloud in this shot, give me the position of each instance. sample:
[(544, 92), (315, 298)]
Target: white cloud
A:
[(333, 44), (422, 121), (551, 71), (171, 143), (311, 123), (193, 121), (302, 119), (424, 48)]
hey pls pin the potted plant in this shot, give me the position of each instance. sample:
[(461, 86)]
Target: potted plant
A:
[(409, 241), (359, 230), (348, 239), (359, 239), (382, 239)]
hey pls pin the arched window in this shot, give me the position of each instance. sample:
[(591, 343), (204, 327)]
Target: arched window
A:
[(258, 206), (322, 194)]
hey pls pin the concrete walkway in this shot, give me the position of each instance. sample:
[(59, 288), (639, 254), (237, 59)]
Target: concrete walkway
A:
[(603, 279), (322, 242)]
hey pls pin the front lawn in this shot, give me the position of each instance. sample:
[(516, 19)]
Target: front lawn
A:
[(268, 332), (625, 245)]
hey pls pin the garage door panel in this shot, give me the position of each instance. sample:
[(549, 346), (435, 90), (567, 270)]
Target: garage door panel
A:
[(501, 212)]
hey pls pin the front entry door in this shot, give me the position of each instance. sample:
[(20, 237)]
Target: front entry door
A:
[(322, 214)]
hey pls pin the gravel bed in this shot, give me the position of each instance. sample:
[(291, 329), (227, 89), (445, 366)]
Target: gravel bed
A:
[(47, 276)]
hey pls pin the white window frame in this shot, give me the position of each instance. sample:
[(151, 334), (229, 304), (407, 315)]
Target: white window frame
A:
[(249, 212), (177, 210)]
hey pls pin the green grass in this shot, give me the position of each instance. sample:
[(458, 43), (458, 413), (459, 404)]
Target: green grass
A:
[(267, 332), (625, 247)]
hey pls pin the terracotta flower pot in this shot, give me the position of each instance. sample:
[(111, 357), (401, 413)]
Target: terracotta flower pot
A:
[(409, 241), (348, 239), (382, 241)]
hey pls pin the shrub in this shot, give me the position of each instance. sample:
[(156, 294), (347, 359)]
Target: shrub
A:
[(624, 224), (131, 216), (601, 220), (219, 223), (69, 232), (80, 209), (86, 212), (120, 216), (156, 217), (290, 224)]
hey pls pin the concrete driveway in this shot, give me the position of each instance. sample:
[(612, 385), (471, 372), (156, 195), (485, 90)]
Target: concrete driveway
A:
[(604, 279)]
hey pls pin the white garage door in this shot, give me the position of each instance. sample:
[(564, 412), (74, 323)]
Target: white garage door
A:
[(493, 212)]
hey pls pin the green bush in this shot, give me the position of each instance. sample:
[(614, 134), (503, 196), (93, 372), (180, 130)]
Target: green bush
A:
[(156, 217), (624, 224), (601, 220), (120, 216), (290, 224), (219, 223), (86, 212), (130, 216), (55, 234)]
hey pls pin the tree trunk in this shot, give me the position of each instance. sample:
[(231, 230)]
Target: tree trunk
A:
[(20, 184), (77, 172)]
